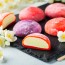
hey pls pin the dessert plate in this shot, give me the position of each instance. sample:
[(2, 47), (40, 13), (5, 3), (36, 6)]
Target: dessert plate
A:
[(58, 49)]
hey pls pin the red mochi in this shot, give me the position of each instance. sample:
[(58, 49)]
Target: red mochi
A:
[(32, 13), (54, 25)]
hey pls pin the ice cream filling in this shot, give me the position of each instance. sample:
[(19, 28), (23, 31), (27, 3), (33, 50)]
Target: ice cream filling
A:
[(8, 20), (36, 42)]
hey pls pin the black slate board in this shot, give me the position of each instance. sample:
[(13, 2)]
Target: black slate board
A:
[(58, 49)]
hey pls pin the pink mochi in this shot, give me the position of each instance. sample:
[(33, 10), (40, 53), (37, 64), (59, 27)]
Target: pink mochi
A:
[(32, 13), (55, 10)]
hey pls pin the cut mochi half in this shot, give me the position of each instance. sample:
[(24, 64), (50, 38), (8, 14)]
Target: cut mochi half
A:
[(6, 19), (36, 41)]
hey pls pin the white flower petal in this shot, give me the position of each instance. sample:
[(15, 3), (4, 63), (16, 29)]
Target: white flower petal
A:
[(1, 31), (8, 39), (59, 33), (61, 40), (1, 54), (15, 38), (9, 36), (10, 32), (7, 43), (61, 36), (2, 41)]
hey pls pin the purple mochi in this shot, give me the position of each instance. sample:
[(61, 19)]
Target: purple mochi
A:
[(25, 27)]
